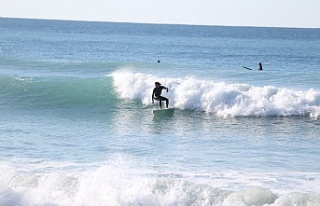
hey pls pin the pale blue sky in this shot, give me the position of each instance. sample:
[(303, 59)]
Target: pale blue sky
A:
[(271, 13)]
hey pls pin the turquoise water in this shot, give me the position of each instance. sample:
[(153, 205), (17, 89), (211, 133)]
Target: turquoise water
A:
[(76, 122)]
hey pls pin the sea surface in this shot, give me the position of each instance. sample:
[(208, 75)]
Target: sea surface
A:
[(77, 128)]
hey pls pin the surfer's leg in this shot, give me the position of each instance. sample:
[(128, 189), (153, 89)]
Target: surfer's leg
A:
[(167, 101), (160, 98)]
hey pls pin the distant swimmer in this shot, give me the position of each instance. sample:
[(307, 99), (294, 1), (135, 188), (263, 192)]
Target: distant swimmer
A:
[(260, 66), (158, 61), (156, 94)]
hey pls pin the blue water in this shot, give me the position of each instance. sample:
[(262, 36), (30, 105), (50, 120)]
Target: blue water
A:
[(76, 122)]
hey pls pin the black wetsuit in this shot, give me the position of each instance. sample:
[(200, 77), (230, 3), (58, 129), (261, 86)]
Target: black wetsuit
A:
[(156, 94)]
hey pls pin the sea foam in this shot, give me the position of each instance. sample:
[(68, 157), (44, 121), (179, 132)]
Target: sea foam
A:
[(222, 99), (119, 182)]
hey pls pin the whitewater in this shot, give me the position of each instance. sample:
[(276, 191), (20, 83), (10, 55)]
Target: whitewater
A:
[(220, 98), (77, 128)]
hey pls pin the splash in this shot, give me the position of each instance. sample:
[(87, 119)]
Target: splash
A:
[(225, 100), (119, 182)]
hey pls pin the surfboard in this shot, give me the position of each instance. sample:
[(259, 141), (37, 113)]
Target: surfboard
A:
[(246, 68), (166, 111)]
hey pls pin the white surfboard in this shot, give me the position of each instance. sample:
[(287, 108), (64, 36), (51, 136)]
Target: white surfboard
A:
[(166, 111)]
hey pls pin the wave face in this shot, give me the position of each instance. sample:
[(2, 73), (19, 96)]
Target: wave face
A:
[(36, 92), (185, 93), (220, 98)]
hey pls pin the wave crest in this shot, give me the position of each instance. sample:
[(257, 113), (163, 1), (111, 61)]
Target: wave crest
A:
[(220, 98), (32, 92)]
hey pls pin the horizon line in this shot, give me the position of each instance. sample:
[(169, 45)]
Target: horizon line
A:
[(155, 23)]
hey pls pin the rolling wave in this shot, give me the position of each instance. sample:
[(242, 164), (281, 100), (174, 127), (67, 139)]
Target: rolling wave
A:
[(119, 183), (225, 100), (35, 92), (185, 93)]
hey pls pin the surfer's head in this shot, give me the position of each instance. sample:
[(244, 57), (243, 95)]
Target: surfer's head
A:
[(157, 83)]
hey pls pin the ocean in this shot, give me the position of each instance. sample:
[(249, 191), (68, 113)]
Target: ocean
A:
[(77, 128)]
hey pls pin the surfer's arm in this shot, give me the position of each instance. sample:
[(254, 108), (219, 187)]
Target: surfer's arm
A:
[(166, 88), (152, 97)]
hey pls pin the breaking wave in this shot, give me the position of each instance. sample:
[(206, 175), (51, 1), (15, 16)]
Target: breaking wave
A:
[(220, 98), (118, 183)]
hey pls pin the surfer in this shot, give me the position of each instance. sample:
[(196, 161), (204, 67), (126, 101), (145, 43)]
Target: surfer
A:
[(156, 94), (260, 66)]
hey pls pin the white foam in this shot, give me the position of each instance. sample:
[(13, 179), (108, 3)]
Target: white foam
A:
[(220, 98), (119, 182)]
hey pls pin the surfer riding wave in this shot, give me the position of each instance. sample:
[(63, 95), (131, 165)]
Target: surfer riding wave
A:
[(156, 94)]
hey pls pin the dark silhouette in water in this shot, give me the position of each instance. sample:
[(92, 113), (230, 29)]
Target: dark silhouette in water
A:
[(156, 94), (260, 66)]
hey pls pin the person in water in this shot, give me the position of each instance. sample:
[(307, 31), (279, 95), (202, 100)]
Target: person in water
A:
[(156, 94), (260, 66)]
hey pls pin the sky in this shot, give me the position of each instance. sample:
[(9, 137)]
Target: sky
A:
[(265, 13)]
